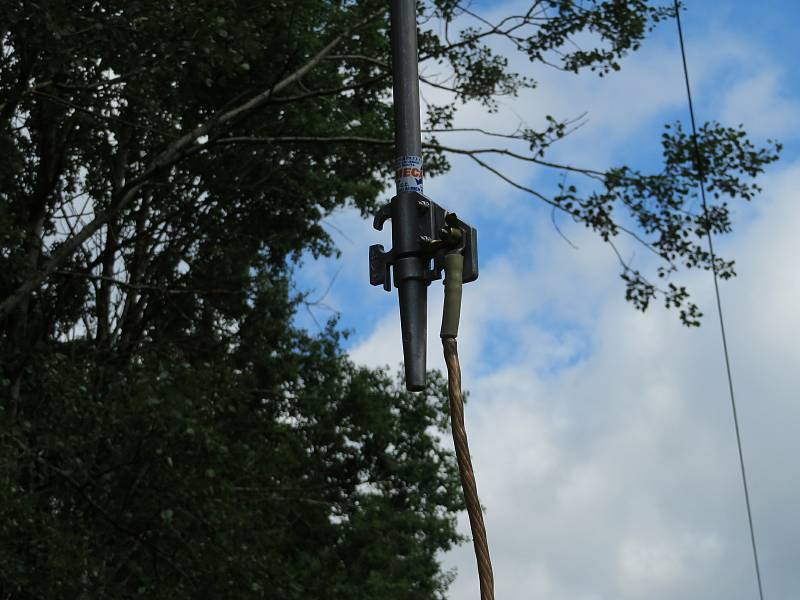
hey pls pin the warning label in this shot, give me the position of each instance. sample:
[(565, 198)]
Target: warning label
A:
[(408, 174)]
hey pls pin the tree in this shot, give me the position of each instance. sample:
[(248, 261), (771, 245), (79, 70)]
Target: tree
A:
[(275, 470), (167, 430)]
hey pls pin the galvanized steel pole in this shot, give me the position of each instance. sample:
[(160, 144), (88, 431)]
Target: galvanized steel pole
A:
[(405, 79), (410, 270), (422, 231)]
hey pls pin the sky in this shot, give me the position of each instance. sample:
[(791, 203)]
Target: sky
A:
[(602, 438)]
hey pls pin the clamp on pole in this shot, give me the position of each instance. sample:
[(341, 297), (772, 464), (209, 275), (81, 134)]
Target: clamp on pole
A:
[(426, 240)]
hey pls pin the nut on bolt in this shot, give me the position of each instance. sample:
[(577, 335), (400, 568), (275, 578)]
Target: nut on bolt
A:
[(429, 241), (451, 235)]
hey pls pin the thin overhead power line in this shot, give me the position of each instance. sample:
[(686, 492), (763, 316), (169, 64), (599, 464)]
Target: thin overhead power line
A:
[(719, 303)]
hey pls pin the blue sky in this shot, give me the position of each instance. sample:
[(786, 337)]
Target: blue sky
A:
[(602, 438)]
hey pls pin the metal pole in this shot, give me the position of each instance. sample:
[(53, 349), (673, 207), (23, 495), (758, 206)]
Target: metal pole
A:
[(410, 269), (422, 231), (405, 79)]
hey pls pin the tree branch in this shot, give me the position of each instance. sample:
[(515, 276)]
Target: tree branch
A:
[(473, 154), (354, 139), (141, 286)]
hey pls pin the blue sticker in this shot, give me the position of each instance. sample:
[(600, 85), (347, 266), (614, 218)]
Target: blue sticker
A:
[(408, 174)]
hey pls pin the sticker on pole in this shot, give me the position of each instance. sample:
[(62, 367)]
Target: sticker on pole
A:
[(408, 174)]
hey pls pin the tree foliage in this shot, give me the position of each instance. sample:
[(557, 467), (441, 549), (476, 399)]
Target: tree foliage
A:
[(276, 469), (167, 431)]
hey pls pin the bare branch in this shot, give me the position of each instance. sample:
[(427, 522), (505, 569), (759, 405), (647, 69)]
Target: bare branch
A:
[(154, 288), (328, 91), (558, 206), (354, 139)]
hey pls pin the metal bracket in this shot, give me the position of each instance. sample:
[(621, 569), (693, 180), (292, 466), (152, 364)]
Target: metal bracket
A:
[(422, 234), (380, 263), (430, 238)]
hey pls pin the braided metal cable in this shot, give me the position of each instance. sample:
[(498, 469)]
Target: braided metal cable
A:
[(479, 540)]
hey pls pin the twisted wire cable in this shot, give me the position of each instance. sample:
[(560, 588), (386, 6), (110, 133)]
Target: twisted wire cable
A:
[(467, 475)]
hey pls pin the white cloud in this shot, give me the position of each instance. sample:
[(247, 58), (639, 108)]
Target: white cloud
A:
[(618, 476), (761, 104)]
